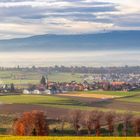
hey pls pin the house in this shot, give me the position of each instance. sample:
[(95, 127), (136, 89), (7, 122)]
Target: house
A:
[(36, 91), (47, 92), (25, 91)]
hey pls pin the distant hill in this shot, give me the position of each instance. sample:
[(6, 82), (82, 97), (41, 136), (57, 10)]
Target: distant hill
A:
[(115, 40)]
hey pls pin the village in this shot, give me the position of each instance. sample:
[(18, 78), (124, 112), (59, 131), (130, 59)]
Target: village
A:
[(49, 87)]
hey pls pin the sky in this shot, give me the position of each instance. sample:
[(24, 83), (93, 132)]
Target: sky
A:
[(95, 59), (22, 18)]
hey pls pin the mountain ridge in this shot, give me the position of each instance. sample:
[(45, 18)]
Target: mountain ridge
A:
[(114, 40)]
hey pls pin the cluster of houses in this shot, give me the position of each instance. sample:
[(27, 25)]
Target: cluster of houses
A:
[(57, 87), (54, 88), (47, 87), (110, 77)]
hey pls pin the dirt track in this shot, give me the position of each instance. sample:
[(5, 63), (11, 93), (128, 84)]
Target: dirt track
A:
[(104, 101), (97, 96), (107, 103)]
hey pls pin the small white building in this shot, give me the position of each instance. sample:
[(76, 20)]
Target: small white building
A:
[(36, 92), (25, 91), (47, 92)]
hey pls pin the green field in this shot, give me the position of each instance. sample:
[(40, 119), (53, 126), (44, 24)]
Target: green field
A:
[(134, 99), (65, 77), (64, 102), (48, 101), (38, 99), (113, 93), (29, 77)]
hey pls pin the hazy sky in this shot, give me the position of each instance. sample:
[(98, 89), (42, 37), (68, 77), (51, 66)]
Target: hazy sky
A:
[(96, 58), (19, 18)]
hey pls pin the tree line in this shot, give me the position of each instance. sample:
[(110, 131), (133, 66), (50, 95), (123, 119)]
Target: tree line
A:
[(77, 69), (95, 123)]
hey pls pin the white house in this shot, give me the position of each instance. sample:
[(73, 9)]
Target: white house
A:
[(36, 92), (25, 91), (47, 92)]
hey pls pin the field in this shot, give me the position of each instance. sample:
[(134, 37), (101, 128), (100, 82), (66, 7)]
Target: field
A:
[(77, 100), (114, 93), (57, 105), (102, 94), (26, 77), (133, 99)]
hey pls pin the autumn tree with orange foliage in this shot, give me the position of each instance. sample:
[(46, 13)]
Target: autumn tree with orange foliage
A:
[(31, 124)]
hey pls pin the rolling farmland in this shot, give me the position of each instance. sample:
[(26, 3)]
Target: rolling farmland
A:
[(57, 105)]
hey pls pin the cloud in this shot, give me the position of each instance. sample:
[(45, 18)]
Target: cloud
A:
[(97, 58), (31, 17)]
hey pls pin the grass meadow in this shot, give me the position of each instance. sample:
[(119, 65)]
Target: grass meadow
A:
[(26, 77), (113, 93)]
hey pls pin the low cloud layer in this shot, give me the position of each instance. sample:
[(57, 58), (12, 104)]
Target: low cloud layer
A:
[(31, 17), (96, 58)]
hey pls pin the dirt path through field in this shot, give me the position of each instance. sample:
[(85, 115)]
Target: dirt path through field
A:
[(98, 96), (106, 103)]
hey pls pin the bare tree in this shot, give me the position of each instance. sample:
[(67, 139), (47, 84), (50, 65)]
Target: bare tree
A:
[(127, 118), (75, 118), (93, 120), (109, 117), (63, 120), (118, 125), (137, 126), (97, 115), (88, 121)]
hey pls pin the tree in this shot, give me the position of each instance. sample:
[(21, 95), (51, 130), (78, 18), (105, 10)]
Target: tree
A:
[(137, 126), (109, 117), (88, 121), (31, 124), (94, 121), (120, 129), (31, 87), (97, 120), (43, 81), (75, 118), (127, 123), (63, 120), (12, 87)]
